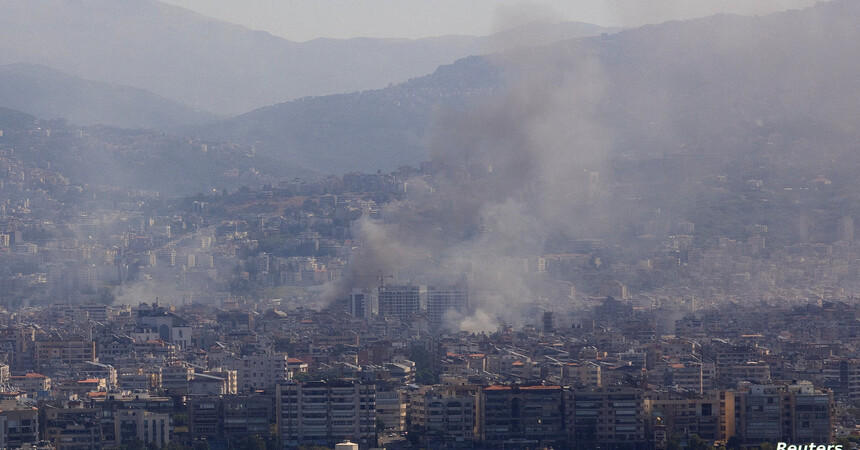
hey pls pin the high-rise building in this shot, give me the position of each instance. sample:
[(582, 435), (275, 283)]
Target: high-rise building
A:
[(521, 416), (445, 300), (687, 415), (793, 413), (362, 303), (140, 425), (608, 417), (845, 229), (444, 417), (686, 376), (842, 376), (19, 424), (391, 409), (803, 227), (400, 301), (205, 417), (548, 322), (325, 413), (73, 428), (229, 417), (56, 352), (263, 371)]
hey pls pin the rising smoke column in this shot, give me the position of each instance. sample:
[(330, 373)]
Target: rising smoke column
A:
[(512, 171)]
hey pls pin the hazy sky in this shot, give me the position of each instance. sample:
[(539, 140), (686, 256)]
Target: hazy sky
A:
[(302, 20)]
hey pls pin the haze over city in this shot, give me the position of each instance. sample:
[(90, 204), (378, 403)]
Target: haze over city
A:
[(579, 225)]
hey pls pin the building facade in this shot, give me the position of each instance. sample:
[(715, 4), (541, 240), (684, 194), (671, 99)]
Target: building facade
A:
[(325, 413), (400, 301), (521, 415)]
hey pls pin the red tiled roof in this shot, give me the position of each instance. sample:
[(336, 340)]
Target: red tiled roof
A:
[(30, 375)]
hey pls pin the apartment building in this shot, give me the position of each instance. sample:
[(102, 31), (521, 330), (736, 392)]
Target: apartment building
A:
[(521, 415), (790, 413), (608, 417), (325, 413)]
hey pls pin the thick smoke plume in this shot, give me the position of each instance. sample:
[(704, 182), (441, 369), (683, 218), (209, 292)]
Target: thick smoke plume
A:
[(510, 172)]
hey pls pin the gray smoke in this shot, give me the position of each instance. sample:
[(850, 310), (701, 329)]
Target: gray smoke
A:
[(512, 171), (516, 174)]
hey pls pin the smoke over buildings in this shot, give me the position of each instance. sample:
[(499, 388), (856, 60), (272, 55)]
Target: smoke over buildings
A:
[(508, 173)]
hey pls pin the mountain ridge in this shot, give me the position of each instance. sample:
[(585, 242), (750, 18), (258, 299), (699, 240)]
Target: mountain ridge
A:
[(203, 62), (51, 94), (677, 85)]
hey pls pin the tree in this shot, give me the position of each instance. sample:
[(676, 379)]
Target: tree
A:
[(697, 443), (734, 443), (180, 420), (424, 367), (673, 442), (311, 205), (253, 442)]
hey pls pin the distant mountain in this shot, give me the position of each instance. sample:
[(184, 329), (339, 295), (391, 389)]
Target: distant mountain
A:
[(50, 94), (676, 86), (696, 79), (540, 33), (202, 62), (14, 120), (366, 131), (132, 159)]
